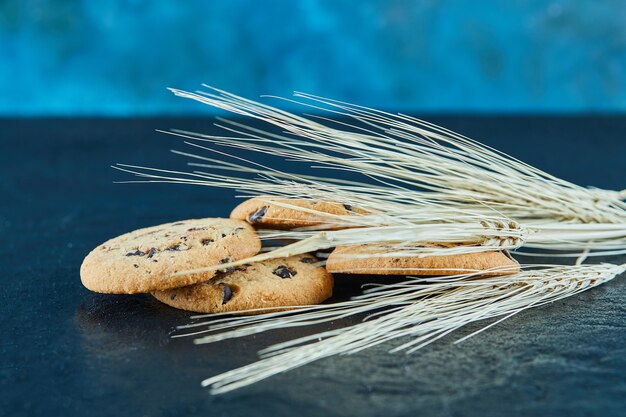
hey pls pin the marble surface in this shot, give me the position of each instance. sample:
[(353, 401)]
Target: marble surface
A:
[(66, 351)]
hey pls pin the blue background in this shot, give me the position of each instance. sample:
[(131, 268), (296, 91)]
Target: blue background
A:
[(62, 57)]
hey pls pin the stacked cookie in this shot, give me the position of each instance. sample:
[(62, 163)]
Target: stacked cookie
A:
[(148, 260)]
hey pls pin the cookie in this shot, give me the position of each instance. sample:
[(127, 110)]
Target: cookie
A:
[(144, 260), (259, 211), (294, 281), (367, 259)]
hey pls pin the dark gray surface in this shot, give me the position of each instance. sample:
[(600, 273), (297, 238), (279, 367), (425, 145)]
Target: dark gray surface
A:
[(66, 351)]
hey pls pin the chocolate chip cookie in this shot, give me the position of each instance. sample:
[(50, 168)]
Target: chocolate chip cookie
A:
[(294, 281), (377, 260), (261, 212), (144, 260)]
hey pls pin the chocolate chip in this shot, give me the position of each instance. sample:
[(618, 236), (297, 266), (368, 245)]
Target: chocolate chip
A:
[(258, 214), (178, 224), (193, 229), (284, 272), (236, 230), (173, 297), (223, 234), (231, 268), (136, 253), (136, 266), (308, 260), (348, 207), (236, 268), (225, 261), (152, 252), (174, 247), (228, 293), (206, 241)]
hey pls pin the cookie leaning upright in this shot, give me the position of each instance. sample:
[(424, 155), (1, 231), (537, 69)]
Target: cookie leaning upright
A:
[(145, 259), (282, 282), (273, 213)]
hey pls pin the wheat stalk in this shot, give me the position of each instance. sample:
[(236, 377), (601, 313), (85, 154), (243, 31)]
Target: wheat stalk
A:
[(406, 226), (423, 310), (429, 191), (402, 151), (417, 240), (423, 175)]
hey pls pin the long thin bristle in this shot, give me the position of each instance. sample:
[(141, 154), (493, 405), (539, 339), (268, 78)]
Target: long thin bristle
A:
[(424, 311), (412, 166), (423, 191)]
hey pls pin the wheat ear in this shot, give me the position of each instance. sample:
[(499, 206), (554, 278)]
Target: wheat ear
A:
[(403, 151), (418, 169), (406, 225), (423, 310), (424, 184)]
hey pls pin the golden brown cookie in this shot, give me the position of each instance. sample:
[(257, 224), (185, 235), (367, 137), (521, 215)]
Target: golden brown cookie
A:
[(294, 281), (371, 259), (143, 260), (259, 211)]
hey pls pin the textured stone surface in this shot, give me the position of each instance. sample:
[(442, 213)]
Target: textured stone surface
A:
[(117, 57), (68, 352)]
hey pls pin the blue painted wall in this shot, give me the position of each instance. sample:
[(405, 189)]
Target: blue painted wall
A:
[(116, 57)]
